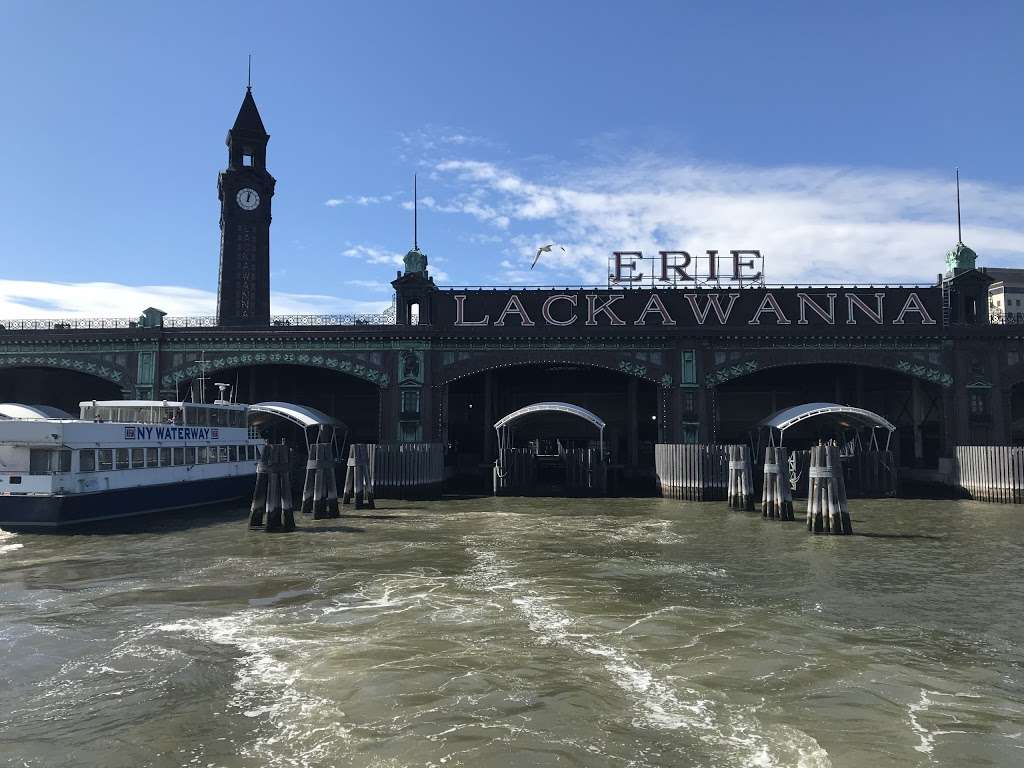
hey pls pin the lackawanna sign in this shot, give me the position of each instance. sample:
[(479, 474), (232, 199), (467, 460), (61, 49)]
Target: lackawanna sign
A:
[(846, 310)]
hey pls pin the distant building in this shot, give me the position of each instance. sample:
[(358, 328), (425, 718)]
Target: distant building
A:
[(1006, 295)]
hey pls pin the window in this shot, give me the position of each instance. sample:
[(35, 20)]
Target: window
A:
[(247, 158), (46, 461), (414, 313), (201, 454), (87, 460), (179, 456), (410, 402), (151, 457), (165, 457), (233, 453), (689, 367), (689, 401), (979, 404), (121, 458), (106, 459), (138, 458)]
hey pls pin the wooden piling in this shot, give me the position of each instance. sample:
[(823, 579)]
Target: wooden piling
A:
[(827, 504), (741, 478), (776, 497)]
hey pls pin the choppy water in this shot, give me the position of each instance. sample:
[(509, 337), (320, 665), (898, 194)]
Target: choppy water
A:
[(496, 632)]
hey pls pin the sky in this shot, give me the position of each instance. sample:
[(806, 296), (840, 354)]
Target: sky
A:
[(823, 134)]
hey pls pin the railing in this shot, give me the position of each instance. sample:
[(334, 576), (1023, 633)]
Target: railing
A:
[(387, 317)]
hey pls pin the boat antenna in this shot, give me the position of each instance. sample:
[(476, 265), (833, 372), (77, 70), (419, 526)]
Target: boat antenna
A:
[(202, 362)]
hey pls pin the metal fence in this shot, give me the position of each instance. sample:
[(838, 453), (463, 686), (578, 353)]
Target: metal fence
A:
[(386, 317)]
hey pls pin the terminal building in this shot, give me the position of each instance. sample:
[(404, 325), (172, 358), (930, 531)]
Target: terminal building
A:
[(677, 362)]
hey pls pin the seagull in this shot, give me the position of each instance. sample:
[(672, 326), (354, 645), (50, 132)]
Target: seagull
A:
[(544, 249)]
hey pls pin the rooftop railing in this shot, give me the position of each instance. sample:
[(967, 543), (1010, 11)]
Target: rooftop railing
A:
[(386, 317)]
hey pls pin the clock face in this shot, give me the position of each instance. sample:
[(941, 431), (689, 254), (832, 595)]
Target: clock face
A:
[(248, 199)]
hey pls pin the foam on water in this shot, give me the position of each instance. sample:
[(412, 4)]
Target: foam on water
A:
[(302, 728), (659, 702)]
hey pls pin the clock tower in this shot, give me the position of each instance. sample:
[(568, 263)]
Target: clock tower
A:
[(245, 189)]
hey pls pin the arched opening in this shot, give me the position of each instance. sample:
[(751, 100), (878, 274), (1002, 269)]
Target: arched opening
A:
[(1017, 414), (58, 387), (348, 399), (628, 405), (914, 406)]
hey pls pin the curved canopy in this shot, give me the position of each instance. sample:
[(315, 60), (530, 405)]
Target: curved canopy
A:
[(19, 411), (841, 415), (302, 415), (569, 408)]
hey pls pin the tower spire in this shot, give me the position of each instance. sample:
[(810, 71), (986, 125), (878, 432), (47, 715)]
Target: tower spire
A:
[(415, 215), (959, 232)]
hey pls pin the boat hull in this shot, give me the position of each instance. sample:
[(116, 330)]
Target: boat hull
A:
[(41, 513)]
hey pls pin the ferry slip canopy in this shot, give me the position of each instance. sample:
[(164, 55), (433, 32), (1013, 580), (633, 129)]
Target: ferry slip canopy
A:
[(569, 408), (840, 415), (302, 415)]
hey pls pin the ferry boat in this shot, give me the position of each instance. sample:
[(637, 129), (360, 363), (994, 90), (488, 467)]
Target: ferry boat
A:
[(122, 458)]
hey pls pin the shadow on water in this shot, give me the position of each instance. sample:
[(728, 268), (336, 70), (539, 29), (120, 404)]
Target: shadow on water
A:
[(871, 535), (325, 529)]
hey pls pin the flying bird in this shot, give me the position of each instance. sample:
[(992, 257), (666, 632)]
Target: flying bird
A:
[(544, 249)]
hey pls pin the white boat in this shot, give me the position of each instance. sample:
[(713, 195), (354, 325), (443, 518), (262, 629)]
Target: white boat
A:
[(121, 458)]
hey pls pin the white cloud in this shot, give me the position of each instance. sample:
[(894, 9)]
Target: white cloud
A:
[(334, 202), (29, 299), (370, 285), (812, 223), (373, 255)]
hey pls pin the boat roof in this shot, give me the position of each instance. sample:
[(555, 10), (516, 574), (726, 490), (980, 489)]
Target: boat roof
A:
[(22, 411), (159, 404)]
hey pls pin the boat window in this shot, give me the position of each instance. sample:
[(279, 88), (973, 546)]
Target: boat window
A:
[(127, 414), (88, 412), (239, 417), (172, 416), (151, 457), (106, 459), (216, 419), (190, 454), (165, 457), (46, 461), (233, 453), (199, 417), (179, 456), (121, 458), (201, 454), (87, 460), (138, 458)]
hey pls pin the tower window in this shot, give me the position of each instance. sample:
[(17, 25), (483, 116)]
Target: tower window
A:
[(414, 313), (247, 159)]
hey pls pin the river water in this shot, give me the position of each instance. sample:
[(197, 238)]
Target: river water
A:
[(520, 632)]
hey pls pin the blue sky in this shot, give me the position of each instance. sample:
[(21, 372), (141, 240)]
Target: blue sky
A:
[(824, 135)]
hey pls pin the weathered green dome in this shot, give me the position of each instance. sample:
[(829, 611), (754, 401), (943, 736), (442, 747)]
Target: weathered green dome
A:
[(415, 261), (960, 257)]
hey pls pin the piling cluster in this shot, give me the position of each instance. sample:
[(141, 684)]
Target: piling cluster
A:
[(271, 507), (359, 475), (776, 495), (741, 478), (320, 489), (827, 508)]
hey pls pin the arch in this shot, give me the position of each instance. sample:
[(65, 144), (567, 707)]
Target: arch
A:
[(609, 361), (549, 407), (788, 417), (912, 368), (101, 370), (502, 425), (359, 369), (57, 386)]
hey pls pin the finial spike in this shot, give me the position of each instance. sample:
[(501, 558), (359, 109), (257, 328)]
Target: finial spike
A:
[(959, 232), (415, 215), (248, 84)]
